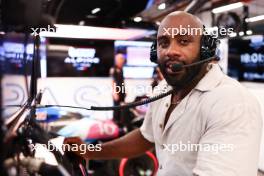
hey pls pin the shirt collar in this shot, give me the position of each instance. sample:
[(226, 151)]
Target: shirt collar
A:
[(211, 79)]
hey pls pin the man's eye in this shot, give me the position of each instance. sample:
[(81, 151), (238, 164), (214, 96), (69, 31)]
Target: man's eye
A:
[(162, 44), (184, 41)]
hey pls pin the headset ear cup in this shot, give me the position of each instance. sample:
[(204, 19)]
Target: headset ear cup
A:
[(153, 52), (208, 46), (204, 48)]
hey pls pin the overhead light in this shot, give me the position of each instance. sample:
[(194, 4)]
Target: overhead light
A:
[(256, 18), (249, 32), (90, 32), (241, 33), (158, 23), (228, 7), (137, 19), (162, 6), (137, 43), (233, 34), (94, 11), (90, 16), (82, 23)]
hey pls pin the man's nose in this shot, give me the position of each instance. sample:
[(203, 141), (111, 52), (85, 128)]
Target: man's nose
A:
[(173, 51)]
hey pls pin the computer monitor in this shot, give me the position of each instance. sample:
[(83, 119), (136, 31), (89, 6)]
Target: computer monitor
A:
[(137, 55), (246, 58)]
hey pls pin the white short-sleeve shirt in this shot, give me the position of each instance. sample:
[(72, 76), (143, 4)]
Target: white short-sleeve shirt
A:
[(214, 131)]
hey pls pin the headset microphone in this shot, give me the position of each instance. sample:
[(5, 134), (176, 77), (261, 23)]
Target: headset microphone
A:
[(179, 67)]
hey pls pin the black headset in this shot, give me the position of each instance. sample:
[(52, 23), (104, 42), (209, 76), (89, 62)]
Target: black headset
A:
[(208, 47)]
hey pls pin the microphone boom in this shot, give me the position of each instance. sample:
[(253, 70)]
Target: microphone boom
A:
[(179, 67)]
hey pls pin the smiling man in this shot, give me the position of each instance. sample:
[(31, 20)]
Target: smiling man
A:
[(209, 126)]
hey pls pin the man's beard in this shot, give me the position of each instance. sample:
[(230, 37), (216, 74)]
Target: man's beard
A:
[(189, 75)]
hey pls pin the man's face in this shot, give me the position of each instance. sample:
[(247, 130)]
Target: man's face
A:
[(177, 49)]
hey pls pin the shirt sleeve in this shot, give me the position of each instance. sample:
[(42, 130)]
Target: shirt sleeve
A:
[(230, 144), (147, 128)]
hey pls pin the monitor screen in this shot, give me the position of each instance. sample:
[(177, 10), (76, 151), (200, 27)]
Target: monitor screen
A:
[(246, 58), (137, 55), (16, 52), (138, 72), (92, 58)]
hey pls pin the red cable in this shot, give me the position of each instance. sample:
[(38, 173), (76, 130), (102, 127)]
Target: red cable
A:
[(82, 170)]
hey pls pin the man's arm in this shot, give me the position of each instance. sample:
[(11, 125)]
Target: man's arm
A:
[(130, 145)]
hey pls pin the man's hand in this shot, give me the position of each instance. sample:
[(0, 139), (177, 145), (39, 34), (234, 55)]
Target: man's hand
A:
[(74, 141)]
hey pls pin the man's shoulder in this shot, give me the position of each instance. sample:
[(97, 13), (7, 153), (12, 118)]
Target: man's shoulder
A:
[(230, 102), (230, 92)]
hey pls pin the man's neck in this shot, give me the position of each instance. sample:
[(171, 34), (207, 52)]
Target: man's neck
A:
[(181, 93)]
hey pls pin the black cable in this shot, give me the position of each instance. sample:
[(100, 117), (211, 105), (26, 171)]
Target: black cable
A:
[(25, 55), (56, 15), (133, 104), (109, 108), (34, 71)]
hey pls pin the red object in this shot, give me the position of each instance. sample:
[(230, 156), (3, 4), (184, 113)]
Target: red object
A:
[(124, 161), (103, 130), (82, 170)]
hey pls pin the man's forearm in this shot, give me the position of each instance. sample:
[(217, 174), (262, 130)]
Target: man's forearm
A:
[(130, 145)]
